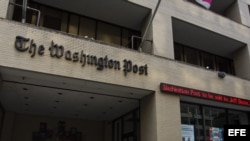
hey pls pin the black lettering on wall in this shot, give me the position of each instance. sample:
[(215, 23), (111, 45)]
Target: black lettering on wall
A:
[(41, 50), (68, 55), (75, 57), (32, 49), (55, 50), (83, 58), (20, 43), (100, 64)]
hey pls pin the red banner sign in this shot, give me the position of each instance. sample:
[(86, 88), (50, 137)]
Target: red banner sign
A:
[(169, 88)]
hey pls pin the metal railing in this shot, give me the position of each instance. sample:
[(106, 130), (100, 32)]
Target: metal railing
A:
[(24, 13)]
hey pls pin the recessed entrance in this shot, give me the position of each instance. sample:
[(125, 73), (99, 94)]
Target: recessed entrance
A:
[(34, 100)]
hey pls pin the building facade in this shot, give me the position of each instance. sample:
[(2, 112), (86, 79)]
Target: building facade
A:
[(115, 70)]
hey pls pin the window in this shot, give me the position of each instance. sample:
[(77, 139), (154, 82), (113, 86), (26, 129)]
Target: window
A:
[(76, 24), (73, 24), (237, 117), (214, 118), (52, 18), (191, 56), (205, 119), (108, 33), (191, 114), (223, 64), (127, 39), (87, 27), (208, 60), (202, 58), (31, 16), (178, 52)]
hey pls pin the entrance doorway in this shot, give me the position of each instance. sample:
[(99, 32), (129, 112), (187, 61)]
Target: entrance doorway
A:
[(127, 127), (36, 103)]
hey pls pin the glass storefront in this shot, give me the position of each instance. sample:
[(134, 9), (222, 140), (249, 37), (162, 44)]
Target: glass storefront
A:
[(208, 122)]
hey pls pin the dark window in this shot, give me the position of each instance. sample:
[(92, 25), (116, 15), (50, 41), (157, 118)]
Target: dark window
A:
[(208, 60), (52, 18), (108, 33), (237, 117), (204, 59), (178, 52), (31, 16), (52, 22), (79, 25), (87, 27), (73, 24), (205, 119), (223, 64), (191, 56), (191, 114)]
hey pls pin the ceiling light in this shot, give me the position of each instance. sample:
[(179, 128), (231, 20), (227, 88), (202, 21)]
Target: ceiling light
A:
[(54, 107), (57, 101), (91, 97), (85, 105), (26, 104), (120, 101), (59, 93), (25, 89), (26, 97)]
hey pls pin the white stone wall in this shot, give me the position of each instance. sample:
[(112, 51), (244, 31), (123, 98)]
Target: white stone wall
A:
[(159, 110), (159, 69), (188, 12), (4, 8), (164, 107)]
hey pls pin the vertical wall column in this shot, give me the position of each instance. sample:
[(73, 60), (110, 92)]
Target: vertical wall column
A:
[(234, 12), (10, 10), (4, 4), (162, 35), (148, 118), (244, 11), (242, 62), (160, 117)]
